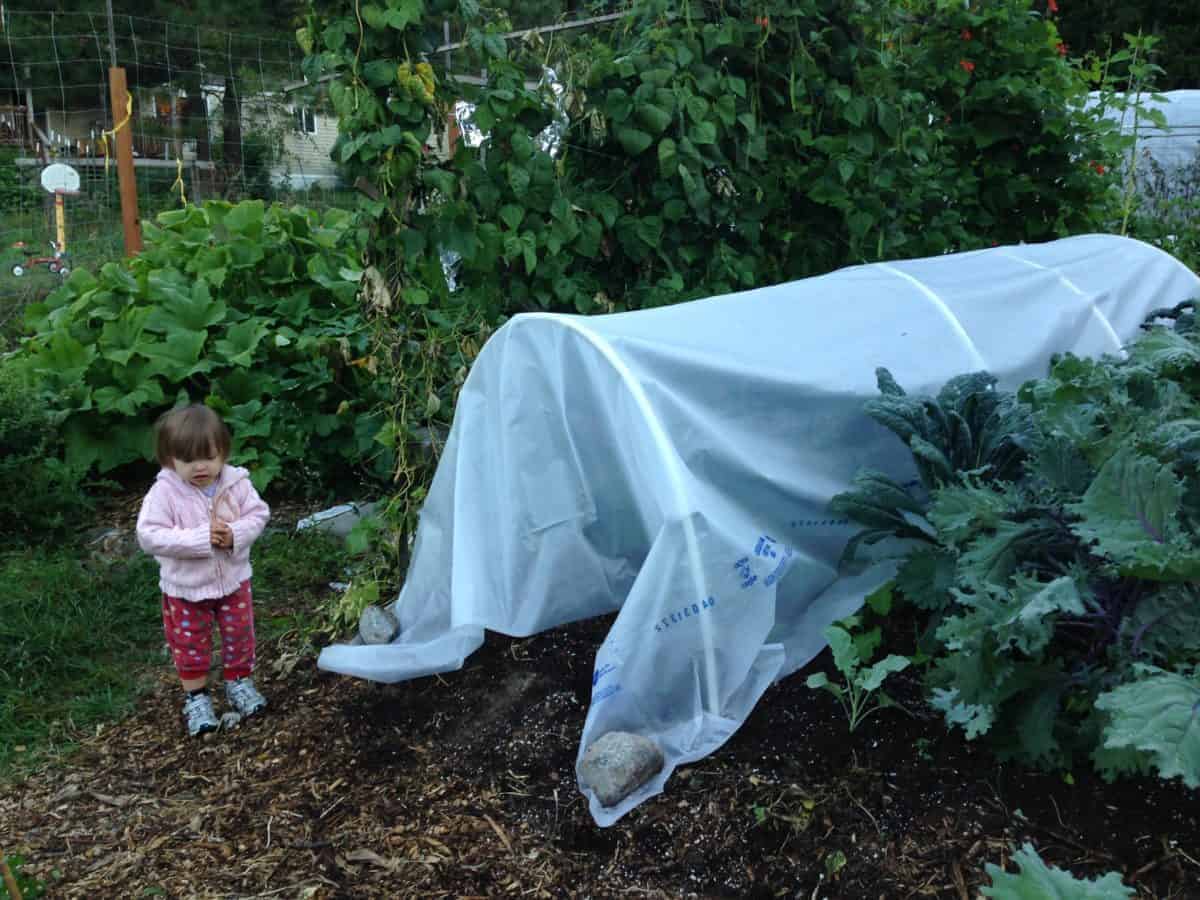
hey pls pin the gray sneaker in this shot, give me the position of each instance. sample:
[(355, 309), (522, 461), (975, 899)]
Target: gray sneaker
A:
[(198, 710), (244, 696)]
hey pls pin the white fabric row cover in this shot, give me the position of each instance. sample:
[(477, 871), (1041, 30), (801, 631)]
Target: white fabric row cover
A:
[(676, 464), (1165, 158)]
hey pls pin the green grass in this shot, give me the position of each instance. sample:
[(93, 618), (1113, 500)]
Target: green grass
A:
[(76, 640), (71, 641)]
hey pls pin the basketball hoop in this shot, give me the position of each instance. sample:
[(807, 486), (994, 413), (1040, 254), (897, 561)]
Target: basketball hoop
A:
[(62, 181), (59, 178)]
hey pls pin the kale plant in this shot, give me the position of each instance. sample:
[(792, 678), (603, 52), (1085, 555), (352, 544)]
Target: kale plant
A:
[(1038, 881), (969, 427), (1055, 560)]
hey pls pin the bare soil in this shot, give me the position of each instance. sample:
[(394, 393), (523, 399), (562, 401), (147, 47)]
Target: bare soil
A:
[(463, 785)]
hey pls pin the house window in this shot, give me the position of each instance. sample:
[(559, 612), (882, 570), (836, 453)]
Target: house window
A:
[(306, 121)]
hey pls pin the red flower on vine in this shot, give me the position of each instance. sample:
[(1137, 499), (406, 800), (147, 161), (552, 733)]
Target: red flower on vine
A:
[(762, 21), (965, 34), (1098, 167), (1051, 6), (1061, 48), (967, 65)]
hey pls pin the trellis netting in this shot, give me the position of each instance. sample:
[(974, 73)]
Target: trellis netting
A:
[(676, 464)]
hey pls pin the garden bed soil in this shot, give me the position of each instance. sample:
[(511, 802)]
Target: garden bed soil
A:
[(463, 785)]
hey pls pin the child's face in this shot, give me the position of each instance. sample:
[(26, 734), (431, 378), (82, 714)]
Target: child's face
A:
[(200, 472)]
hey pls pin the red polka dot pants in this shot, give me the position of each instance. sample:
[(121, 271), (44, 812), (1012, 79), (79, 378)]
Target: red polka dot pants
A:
[(188, 626)]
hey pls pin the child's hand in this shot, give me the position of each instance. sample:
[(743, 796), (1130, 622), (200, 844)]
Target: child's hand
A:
[(222, 535)]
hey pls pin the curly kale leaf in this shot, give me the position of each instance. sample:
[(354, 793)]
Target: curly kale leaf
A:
[(969, 427), (1016, 704), (1038, 881), (1084, 403), (961, 511), (887, 384), (971, 686), (996, 667), (993, 557), (1129, 515), (1056, 463), (926, 577), (886, 510), (1165, 351), (1164, 627), (1180, 439), (1113, 762), (1022, 617), (974, 719), (1158, 714)]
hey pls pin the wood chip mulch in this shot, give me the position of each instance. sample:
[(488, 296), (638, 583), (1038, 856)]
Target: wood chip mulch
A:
[(463, 785)]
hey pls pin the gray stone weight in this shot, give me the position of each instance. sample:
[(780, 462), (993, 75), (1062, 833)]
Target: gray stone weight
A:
[(377, 626), (617, 764)]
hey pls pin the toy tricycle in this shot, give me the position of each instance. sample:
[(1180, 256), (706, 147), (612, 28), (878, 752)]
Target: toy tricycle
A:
[(57, 263)]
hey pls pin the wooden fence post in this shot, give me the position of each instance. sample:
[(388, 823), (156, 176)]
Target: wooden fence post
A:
[(126, 175)]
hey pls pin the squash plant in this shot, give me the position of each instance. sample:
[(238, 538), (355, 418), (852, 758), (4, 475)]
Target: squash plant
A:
[(248, 308)]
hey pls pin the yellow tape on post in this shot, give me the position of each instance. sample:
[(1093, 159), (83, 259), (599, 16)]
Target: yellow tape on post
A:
[(179, 180), (104, 135)]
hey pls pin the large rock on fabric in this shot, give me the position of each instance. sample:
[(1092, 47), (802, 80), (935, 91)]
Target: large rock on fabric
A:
[(618, 764), (377, 626)]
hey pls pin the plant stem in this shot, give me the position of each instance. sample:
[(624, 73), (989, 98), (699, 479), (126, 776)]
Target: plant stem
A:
[(1130, 177)]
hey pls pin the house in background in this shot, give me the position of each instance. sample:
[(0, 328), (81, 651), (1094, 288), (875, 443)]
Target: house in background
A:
[(293, 140), (303, 136)]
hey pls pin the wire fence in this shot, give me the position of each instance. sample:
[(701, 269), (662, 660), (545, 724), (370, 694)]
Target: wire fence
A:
[(209, 118)]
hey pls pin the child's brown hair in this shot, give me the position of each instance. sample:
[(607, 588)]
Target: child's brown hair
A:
[(191, 432)]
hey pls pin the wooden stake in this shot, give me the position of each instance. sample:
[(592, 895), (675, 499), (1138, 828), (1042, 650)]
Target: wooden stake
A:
[(126, 177)]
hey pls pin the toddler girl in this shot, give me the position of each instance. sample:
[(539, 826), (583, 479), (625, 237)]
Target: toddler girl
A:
[(198, 520)]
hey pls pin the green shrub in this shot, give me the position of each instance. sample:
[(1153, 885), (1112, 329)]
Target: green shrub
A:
[(39, 494), (19, 188), (250, 309), (1173, 225), (704, 148), (1096, 26)]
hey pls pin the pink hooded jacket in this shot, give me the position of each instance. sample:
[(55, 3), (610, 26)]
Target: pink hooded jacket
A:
[(175, 523)]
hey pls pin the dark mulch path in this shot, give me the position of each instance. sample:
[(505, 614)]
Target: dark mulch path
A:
[(463, 785)]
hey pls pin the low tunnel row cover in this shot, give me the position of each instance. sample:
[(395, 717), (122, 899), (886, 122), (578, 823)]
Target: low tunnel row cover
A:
[(676, 464)]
